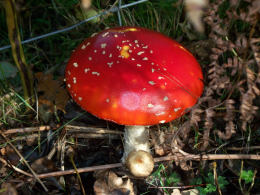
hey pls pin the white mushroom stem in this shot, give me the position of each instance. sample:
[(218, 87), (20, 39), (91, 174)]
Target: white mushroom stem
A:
[(135, 138), (137, 155)]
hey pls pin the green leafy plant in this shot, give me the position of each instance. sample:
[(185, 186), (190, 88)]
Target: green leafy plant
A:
[(247, 176), (210, 183), (161, 178)]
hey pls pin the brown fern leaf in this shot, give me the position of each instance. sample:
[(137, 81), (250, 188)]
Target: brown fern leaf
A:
[(256, 50), (247, 109), (229, 118), (208, 124), (234, 65), (195, 116)]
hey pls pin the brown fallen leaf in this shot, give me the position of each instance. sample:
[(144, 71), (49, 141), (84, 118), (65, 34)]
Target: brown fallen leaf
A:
[(43, 165), (108, 183), (51, 93)]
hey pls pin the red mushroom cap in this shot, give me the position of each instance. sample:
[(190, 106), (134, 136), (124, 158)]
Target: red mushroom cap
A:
[(133, 76)]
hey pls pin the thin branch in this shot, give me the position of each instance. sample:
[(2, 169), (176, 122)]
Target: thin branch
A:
[(80, 170), (243, 148), (80, 129), (27, 130), (15, 168), (70, 128), (166, 158), (209, 157)]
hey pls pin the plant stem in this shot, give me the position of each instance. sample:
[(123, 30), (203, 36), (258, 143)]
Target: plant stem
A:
[(17, 51)]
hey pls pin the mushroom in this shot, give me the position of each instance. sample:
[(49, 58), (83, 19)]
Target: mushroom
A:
[(135, 77)]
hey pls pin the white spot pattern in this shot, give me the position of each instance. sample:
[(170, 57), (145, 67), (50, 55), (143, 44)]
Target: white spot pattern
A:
[(96, 73), (103, 45), (165, 98), (83, 46), (105, 34), (176, 109), (160, 113), (151, 82), (140, 53), (86, 70), (110, 64), (150, 105)]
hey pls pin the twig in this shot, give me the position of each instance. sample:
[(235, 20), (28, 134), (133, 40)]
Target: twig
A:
[(166, 158), (25, 162), (80, 129), (80, 170), (27, 130), (176, 187), (70, 128), (15, 168), (94, 136), (209, 157), (243, 148)]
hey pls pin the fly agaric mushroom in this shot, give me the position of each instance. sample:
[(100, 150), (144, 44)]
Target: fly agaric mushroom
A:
[(135, 77)]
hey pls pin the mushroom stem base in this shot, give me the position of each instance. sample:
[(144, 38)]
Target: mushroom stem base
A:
[(135, 138)]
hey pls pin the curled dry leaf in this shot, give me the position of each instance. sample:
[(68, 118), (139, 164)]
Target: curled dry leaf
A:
[(108, 183)]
